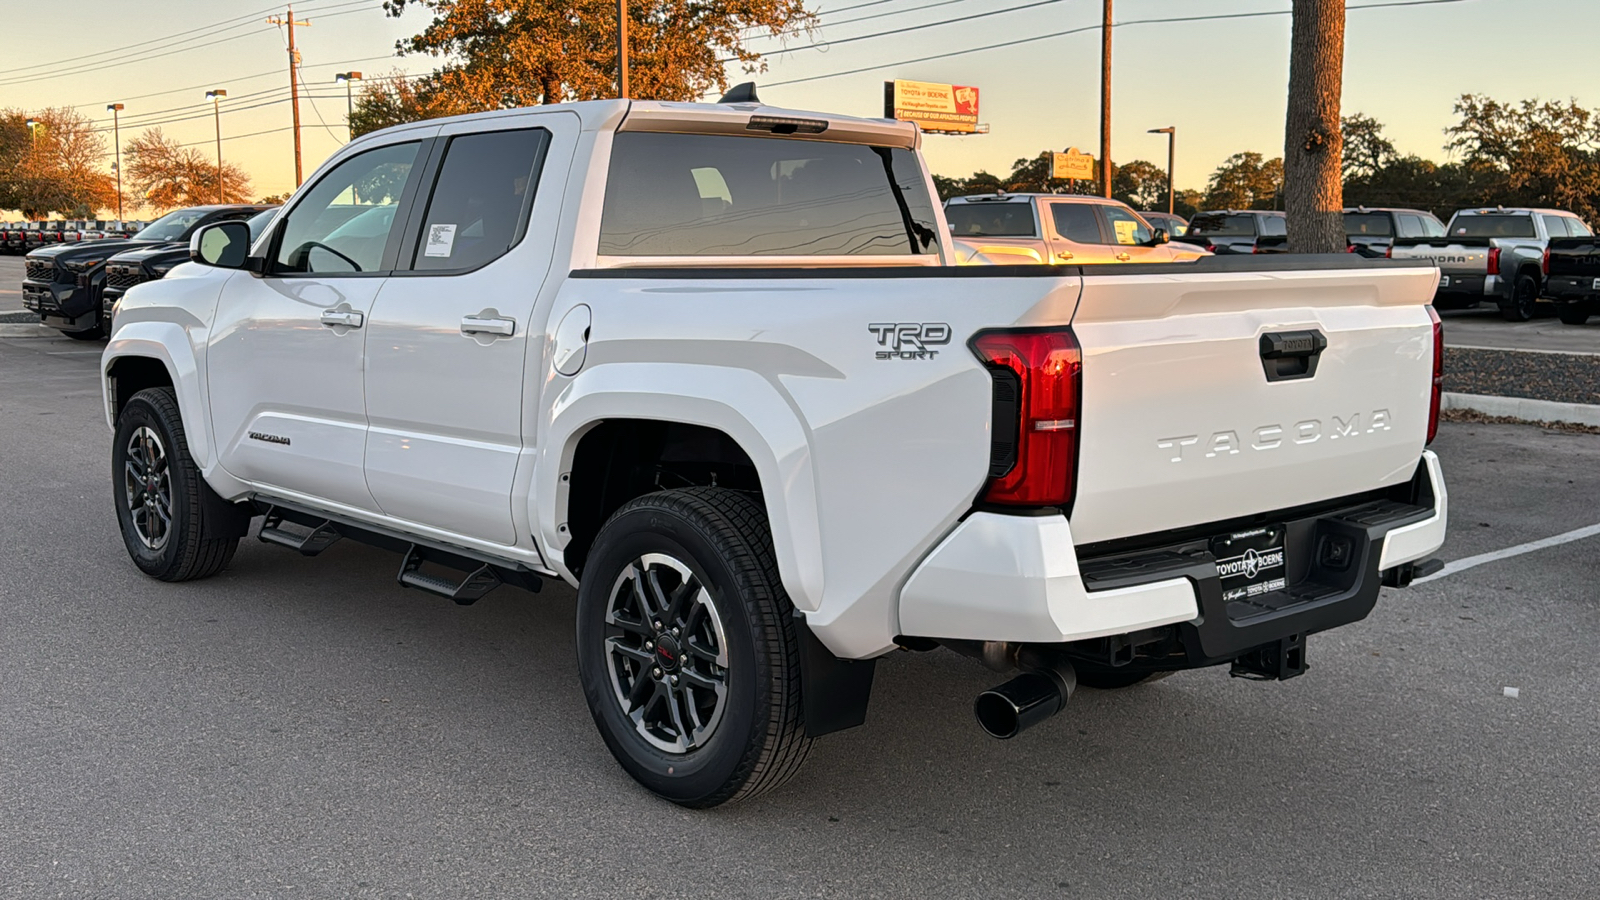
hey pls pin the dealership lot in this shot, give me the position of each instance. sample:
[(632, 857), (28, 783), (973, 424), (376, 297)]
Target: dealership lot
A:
[(305, 728)]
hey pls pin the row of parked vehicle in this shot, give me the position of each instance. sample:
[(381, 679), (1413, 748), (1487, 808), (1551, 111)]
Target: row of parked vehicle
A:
[(73, 285), (1511, 258), (22, 237)]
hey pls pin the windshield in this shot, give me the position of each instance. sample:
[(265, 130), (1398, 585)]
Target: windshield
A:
[(1223, 225), (172, 226), (258, 223), (1492, 226), (1368, 224), (990, 219)]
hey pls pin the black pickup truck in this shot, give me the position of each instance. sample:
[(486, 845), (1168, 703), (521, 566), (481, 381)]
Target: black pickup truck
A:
[(1573, 279), (1229, 231), (63, 282), (1370, 231)]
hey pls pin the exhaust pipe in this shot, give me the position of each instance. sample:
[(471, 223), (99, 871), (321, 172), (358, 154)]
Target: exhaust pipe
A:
[(1025, 701)]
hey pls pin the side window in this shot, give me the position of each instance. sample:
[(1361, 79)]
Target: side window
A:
[(480, 198), (1410, 226), (1577, 229), (1076, 222), (343, 224), (1432, 227), (1273, 226), (1555, 226), (1126, 226)]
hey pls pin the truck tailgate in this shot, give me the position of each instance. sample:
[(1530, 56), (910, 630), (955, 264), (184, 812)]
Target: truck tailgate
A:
[(1181, 425), (1453, 257)]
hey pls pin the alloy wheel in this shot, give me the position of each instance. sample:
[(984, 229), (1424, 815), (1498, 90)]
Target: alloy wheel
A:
[(147, 487)]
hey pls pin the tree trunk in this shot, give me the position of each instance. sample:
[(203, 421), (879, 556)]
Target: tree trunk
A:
[(1313, 145)]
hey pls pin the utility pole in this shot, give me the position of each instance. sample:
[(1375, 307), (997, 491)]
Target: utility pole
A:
[(622, 49), (1172, 140), (294, 84), (33, 136), (1105, 102), (349, 78), (116, 141), (216, 110)]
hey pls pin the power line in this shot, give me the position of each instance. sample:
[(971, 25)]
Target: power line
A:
[(237, 79), (906, 29), (164, 38), (892, 12), (1070, 31)]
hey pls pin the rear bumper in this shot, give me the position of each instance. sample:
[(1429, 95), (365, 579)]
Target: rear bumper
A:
[(1473, 287), (1572, 287), (1018, 578)]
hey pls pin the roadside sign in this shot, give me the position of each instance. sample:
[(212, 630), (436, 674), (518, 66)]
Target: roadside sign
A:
[(1071, 164), (936, 107)]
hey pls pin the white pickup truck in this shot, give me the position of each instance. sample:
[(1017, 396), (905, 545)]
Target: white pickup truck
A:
[(710, 364)]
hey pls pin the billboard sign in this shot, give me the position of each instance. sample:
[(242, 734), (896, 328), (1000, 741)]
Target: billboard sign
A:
[(1071, 164), (935, 107)]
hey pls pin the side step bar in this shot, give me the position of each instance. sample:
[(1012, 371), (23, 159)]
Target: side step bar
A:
[(483, 573)]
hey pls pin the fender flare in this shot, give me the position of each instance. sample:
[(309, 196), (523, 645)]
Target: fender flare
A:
[(738, 402)]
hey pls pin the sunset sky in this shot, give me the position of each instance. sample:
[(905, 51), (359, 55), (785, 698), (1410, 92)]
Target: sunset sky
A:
[(1222, 82)]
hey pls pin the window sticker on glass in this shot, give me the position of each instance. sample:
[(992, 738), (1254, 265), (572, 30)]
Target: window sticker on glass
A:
[(1125, 230), (441, 240)]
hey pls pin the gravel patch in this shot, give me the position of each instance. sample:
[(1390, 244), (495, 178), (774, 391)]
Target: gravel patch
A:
[(1558, 377)]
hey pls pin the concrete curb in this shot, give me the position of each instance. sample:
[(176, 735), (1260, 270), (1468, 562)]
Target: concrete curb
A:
[(1529, 410)]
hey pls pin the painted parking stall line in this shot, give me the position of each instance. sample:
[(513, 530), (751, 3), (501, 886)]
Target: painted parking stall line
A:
[(1472, 562)]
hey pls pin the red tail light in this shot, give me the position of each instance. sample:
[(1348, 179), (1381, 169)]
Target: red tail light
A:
[(1494, 261), (1037, 396), (1350, 249), (1388, 252), (1545, 265), (1438, 374)]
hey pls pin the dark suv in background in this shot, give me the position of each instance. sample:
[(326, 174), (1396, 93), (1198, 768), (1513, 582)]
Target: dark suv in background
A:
[(152, 263), (63, 282), (1227, 231)]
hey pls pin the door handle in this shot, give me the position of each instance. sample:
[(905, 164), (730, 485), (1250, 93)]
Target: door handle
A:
[(482, 325), (1064, 254), (346, 317), (1123, 257)]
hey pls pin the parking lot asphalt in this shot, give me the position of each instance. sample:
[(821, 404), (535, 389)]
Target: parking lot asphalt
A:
[(1483, 328), (304, 728)]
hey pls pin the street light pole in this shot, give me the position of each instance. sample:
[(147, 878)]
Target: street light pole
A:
[(1105, 101), (216, 98), (116, 140), (1172, 139), (33, 136), (349, 98), (622, 49)]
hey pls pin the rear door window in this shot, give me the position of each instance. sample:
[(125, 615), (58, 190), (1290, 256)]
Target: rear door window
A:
[(989, 218), (1274, 226), (480, 199), (1555, 226), (724, 195), (1077, 222), (1410, 226)]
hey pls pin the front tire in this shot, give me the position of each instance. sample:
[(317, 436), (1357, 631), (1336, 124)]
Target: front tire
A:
[(175, 527), (1524, 294), (687, 648)]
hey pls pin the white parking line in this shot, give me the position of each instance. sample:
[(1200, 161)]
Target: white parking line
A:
[(1461, 565)]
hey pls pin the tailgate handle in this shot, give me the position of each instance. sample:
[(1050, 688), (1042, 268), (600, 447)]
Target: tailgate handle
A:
[(1289, 355)]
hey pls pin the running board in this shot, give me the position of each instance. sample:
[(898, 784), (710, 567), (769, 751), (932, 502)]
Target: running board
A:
[(483, 573)]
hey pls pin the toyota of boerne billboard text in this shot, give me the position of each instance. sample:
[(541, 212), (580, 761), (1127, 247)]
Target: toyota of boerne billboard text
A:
[(935, 107)]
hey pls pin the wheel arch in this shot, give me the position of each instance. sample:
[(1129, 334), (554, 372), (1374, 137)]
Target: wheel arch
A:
[(158, 354)]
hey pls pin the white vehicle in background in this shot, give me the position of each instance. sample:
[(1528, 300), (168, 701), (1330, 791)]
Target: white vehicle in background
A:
[(1058, 229), (711, 364)]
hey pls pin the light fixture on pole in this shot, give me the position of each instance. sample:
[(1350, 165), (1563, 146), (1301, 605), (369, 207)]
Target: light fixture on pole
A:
[(216, 98), (349, 97), (1172, 140), (116, 138), (32, 124)]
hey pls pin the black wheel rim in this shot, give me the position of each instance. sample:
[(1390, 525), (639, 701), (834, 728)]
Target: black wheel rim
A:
[(667, 653), (147, 487)]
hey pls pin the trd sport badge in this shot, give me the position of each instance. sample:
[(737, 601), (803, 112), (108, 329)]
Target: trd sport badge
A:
[(910, 340)]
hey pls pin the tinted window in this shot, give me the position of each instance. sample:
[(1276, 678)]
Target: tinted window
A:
[(1492, 226), (991, 219), (1076, 222), (1555, 226), (1410, 226), (1274, 226), (1368, 224), (720, 195), (1223, 225), (1126, 227), (170, 227), (479, 199), (313, 239)]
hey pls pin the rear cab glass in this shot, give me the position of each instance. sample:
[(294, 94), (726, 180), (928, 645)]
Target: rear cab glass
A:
[(1493, 226), (1223, 225), (990, 218), (1370, 225), (723, 195)]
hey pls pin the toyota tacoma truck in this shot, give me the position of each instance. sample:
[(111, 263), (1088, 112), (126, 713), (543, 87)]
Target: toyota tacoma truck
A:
[(713, 365), (1020, 229), (1496, 255)]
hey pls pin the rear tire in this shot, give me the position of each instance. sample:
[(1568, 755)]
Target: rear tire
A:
[(687, 648), (1573, 313), (1524, 295), (175, 527)]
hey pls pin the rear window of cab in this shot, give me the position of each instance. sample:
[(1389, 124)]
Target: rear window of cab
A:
[(991, 219), (726, 195)]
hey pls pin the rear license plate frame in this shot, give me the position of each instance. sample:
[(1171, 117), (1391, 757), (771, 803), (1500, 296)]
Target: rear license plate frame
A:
[(1251, 562)]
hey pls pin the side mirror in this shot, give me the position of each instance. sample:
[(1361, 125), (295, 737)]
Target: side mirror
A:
[(225, 245), (1159, 236)]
